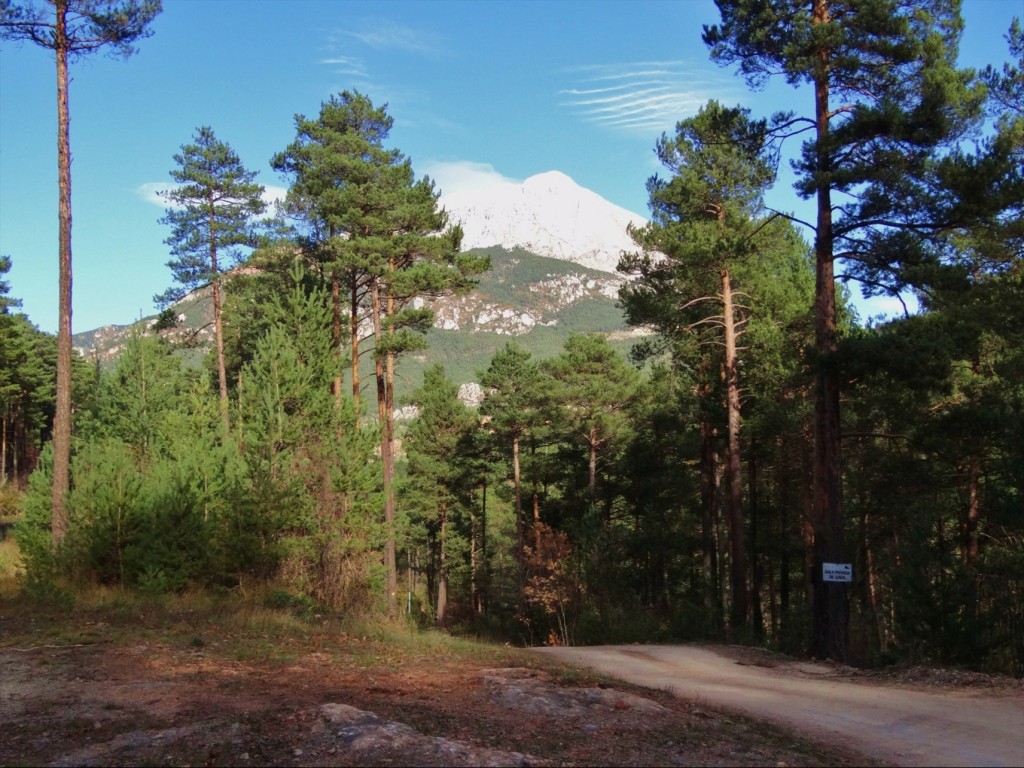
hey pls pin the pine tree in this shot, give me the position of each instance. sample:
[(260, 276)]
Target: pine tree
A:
[(885, 93), (436, 470), (593, 388), (515, 397), (211, 217), (371, 223), (707, 224), (71, 29)]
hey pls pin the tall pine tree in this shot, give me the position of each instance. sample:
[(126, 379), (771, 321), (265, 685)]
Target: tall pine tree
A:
[(884, 94), (211, 217), (71, 29), (705, 226)]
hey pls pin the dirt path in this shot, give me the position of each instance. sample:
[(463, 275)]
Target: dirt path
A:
[(897, 724)]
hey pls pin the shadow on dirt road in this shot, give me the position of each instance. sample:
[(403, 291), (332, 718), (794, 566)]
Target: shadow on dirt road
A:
[(893, 723)]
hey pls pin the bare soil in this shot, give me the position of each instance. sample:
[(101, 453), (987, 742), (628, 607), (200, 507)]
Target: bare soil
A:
[(79, 692)]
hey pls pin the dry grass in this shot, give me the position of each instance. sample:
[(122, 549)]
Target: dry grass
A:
[(10, 567)]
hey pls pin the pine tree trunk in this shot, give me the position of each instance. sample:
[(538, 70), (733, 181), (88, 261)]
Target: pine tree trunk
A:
[(62, 415), (387, 459), (336, 332), (442, 569), (484, 580), (757, 571), (354, 343), (829, 631), (969, 523), (592, 467), (3, 448), (474, 563), (17, 445), (517, 487), (969, 546), (218, 328), (390, 502), (709, 501), (871, 575), (782, 487), (733, 467)]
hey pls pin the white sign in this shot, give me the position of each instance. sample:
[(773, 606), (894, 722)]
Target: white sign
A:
[(837, 572)]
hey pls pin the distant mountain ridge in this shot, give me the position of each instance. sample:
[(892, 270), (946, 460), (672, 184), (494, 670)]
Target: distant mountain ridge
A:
[(554, 247)]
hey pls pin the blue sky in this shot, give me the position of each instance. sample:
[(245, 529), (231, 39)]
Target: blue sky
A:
[(479, 91)]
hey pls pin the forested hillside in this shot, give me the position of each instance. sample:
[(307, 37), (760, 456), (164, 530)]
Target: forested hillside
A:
[(705, 456)]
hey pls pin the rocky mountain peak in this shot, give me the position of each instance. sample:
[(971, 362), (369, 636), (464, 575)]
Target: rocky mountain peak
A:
[(548, 214)]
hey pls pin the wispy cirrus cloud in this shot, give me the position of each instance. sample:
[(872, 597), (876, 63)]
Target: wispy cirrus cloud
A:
[(346, 65), (639, 96), (387, 35)]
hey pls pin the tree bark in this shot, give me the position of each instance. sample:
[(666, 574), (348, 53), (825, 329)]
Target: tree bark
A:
[(483, 581), (972, 513), (387, 457), (62, 415), (592, 467), (442, 570), (390, 505), (829, 631), (3, 449), (757, 571), (709, 500), (218, 328), (354, 343), (517, 487), (336, 332), (733, 467), (969, 546)]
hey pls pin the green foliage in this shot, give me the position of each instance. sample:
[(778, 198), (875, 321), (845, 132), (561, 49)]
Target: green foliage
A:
[(139, 396), (7, 303), (90, 24), (311, 465), (27, 392), (211, 213), (33, 533), (441, 477)]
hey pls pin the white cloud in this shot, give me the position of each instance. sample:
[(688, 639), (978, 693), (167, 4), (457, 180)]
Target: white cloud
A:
[(273, 194), (466, 176), (642, 96), (150, 192)]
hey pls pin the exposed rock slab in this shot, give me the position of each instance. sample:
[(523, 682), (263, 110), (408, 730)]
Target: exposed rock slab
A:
[(369, 734)]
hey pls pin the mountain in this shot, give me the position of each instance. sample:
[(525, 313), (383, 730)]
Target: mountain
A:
[(553, 246), (548, 214)]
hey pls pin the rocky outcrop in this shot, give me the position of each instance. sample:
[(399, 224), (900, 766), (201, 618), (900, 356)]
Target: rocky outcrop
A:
[(477, 313)]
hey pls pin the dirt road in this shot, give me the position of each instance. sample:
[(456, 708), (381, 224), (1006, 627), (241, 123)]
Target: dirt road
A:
[(896, 724)]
